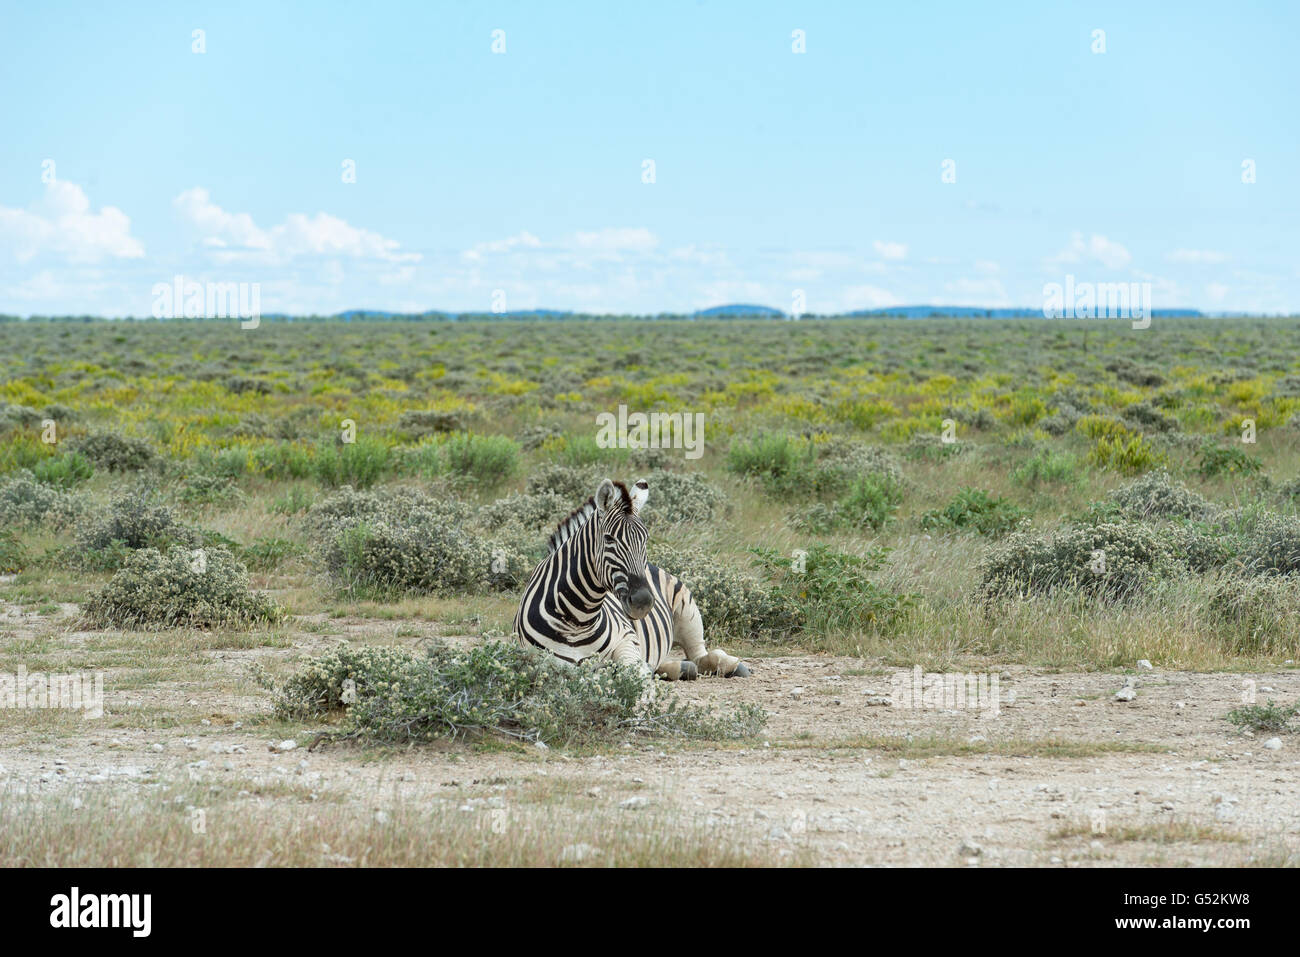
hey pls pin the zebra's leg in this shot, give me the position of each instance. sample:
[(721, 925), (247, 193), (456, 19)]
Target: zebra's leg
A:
[(674, 670), (688, 632), (627, 651)]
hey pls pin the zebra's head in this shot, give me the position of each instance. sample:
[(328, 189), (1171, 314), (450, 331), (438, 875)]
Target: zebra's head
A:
[(624, 536)]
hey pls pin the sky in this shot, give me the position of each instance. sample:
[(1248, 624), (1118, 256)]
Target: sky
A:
[(647, 158)]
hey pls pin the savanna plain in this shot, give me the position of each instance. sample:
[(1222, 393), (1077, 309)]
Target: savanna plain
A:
[(294, 554)]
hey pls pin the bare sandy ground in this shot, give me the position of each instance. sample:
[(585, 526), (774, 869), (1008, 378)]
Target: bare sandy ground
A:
[(836, 778)]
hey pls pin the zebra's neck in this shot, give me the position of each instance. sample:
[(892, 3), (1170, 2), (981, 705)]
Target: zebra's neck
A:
[(578, 593)]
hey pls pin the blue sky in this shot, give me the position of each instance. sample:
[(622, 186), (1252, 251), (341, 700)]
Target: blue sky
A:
[(522, 171)]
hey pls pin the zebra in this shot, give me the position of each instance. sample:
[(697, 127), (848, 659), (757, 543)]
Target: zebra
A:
[(595, 596)]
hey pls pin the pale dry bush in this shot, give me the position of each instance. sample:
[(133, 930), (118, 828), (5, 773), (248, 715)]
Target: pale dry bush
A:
[(205, 588)]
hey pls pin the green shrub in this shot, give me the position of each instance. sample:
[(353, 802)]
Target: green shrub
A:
[(423, 558), (535, 436), (1273, 546), (393, 505), (529, 511), (1200, 547), (1101, 427), (22, 452), (295, 499), (241, 384), (397, 696), (486, 459), (1256, 614), (574, 484), (18, 416), (266, 554), (203, 489), (1126, 370), (421, 423), (1062, 420), (1217, 460), (1130, 455), (733, 603), (1269, 718), (787, 467), (401, 541), (199, 588), (841, 466), (577, 451), (1046, 467), (783, 465), (115, 452), (1158, 495), (928, 447), (284, 460), (230, 464), (1111, 560), (681, 497), (26, 502), (60, 413), (1289, 491), (1145, 417), (13, 556), (871, 503), (833, 589), (361, 463), (132, 522), (63, 471), (979, 511)]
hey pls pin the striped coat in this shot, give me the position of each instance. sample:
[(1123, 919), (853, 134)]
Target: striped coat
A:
[(595, 597)]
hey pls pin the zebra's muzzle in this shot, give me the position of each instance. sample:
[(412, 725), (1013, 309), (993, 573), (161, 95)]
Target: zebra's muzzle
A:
[(637, 601)]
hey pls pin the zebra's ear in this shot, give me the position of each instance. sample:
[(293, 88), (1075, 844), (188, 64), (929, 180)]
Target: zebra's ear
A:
[(640, 492), (607, 497)]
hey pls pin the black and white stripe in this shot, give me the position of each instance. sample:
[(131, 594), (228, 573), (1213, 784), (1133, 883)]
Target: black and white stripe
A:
[(594, 595)]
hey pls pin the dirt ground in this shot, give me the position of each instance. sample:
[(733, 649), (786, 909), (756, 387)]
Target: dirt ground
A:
[(1062, 775)]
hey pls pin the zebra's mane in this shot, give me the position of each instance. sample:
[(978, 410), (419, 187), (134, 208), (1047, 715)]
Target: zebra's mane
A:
[(567, 528), (578, 518)]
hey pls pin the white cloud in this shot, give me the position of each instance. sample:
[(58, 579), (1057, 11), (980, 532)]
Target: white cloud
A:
[(578, 251), (61, 224), (890, 250), (1217, 291), (1097, 248), (616, 240), (524, 240), (1199, 257), (235, 237)]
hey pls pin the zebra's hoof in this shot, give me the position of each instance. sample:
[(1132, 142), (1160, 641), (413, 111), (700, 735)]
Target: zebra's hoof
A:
[(742, 671), (689, 671)]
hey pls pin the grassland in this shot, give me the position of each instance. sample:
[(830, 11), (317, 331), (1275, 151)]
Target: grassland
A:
[(242, 431), (869, 495)]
